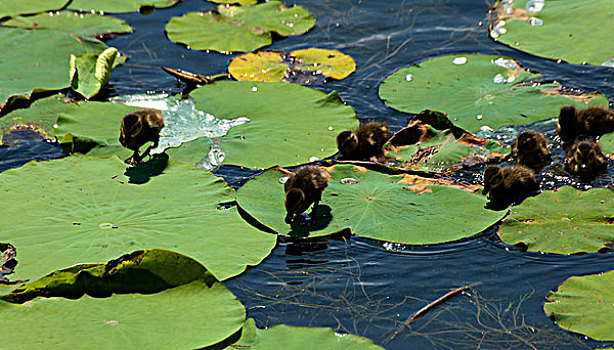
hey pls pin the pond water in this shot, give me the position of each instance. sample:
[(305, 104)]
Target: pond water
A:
[(359, 285)]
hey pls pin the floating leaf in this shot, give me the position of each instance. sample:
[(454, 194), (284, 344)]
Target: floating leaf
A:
[(81, 24), (90, 72), (118, 6), (40, 117), (564, 222), (236, 28), (606, 142), (377, 206), (92, 213), (585, 305), (272, 65), (236, 2), (574, 31), (291, 337), (22, 7), (480, 90)]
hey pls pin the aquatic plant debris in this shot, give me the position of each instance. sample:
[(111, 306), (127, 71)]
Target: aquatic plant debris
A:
[(90, 72), (118, 6), (583, 304)]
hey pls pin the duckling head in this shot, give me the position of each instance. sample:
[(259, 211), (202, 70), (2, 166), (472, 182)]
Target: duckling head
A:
[(527, 141), (585, 158), (130, 128), (295, 203), (347, 142), (567, 119), (493, 178)]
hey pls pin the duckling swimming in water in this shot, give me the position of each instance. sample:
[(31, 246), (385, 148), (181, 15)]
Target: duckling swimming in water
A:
[(138, 128), (364, 143), (591, 122), (304, 187), (531, 149), (509, 185), (585, 159)]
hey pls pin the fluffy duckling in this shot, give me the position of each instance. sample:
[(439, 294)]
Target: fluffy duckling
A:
[(585, 159), (138, 128), (304, 187), (592, 122), (364, 143), (509, 185), (531, 149)]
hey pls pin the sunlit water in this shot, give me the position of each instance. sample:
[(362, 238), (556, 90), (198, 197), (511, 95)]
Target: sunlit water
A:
[(367, 287)]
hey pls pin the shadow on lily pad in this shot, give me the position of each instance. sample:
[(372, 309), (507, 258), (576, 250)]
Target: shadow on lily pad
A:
[(141, 173)]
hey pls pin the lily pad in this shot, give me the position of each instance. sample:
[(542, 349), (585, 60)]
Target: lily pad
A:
[(44, 66), (290, 337), (90, 72), (92, 213), (40, 117), (564, 221), (273, 65), (585, 305), (81, 24), (236, 28), (235, 2), (606, 142), (573, 31), (479, 90), (13, 8), (118, 6), (310, 119), (374, 205)]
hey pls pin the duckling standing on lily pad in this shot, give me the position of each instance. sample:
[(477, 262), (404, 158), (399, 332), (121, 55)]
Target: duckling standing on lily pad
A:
[(364, 143), (589, 122), (531, 149), (508, 185), (138, 128), (585, 159), (304, 187)]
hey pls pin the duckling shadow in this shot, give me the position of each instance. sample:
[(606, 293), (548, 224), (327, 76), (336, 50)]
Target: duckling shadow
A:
[(141, 173), (301, 229)]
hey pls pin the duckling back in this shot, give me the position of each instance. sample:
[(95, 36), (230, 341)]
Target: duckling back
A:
[(531, 149), (139, 127), (590, 122), (585, 159), (309, 178), (364, 143), (509, 185)]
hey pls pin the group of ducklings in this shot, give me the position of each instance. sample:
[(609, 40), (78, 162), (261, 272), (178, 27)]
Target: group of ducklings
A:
[(505, 185)]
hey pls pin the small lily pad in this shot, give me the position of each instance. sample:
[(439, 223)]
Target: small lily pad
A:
[(90, 72), (235, 2), (118, 6), (484, 90), (24, 7), (606, 142), (585, 305), (564, 221), (237, 28)]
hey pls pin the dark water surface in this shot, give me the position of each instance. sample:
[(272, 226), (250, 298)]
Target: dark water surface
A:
[(363, 286)]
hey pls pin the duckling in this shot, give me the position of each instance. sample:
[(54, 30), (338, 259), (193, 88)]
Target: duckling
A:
[(510, 184), (304, 187), (364, 143), (585, 159), (531, 149), (592, 122), (138, 128)]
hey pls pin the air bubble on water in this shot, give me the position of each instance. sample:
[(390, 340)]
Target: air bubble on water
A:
[(535, 22), (213, 160), (479, 117), (459, 60), (534, 6), (608, 63), (505, 63), (409, 77), (486, 128)]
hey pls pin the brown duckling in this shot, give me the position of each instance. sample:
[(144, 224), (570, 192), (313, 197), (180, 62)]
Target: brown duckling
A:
[(304, 187), (138, 128), (591, 122), (531, 149), (364, 143), (585, 159), (509, 185)]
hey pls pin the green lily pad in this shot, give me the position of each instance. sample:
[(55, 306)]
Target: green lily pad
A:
[(479, 90), (273, 65), (375, 207), (91, 213), (573, 31), (44, 66), (235, 2), (81, 24), (236, 28), (40, 117), (13, 8), (90, 72), (606, 142), (563, 222), (118, 6), (310, 119), (291, 337), (585, 305)]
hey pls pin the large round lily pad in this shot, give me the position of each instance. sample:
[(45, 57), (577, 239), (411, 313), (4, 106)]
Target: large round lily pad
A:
[(606, 142), (379, 206), (585, 305), (81, 210), (290, 337), (237, 28), (574, 31), (117, 6), (478, 90), (564, 221), (13, 8), (288, 124), (40, 66)]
